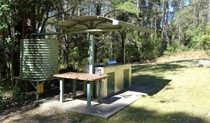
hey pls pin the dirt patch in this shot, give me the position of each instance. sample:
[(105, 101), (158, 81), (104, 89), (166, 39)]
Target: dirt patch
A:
[(35, 113), (28, 111)]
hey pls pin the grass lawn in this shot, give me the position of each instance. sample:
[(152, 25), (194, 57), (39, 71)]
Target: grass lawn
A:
[(182, 95)]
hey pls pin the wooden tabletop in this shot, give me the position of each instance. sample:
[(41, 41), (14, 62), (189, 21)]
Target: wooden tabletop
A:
[(80, 76)]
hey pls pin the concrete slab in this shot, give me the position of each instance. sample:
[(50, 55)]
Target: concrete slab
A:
[(107, 108)]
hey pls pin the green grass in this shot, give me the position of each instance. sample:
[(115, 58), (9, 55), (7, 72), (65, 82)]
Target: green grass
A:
[(182, 95)]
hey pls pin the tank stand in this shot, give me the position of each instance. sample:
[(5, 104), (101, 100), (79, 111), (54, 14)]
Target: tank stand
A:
[(34, 82)]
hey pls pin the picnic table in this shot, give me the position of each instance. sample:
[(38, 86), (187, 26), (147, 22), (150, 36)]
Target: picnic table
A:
[(86, 77)]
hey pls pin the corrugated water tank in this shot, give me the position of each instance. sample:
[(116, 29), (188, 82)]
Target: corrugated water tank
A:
[(38, 58)]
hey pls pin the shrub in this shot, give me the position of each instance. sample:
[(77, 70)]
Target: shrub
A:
[(172, 49)]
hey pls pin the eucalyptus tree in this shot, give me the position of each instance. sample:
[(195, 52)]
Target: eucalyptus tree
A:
[(189, 20)]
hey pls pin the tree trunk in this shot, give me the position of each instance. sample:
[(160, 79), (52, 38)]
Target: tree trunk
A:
[(180, 28), (98, 12), (164, 34), (123, 39), (111, 48), (11, 69), (209, 13), (66, 50)]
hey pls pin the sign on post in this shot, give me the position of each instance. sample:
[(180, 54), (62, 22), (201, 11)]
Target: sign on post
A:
[(40, 88)]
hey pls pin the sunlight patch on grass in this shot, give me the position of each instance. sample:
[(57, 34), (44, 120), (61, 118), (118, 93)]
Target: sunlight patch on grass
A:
[(188, 92)]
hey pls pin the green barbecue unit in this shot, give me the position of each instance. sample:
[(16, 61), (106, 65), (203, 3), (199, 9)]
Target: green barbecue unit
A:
[(119, 78)]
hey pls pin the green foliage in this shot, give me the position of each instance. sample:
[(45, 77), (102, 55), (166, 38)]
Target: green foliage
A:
[(3, 9), (5, 93), (7, 15), (142, 49), (189, 25), (172, 48), (128, 7), (2, 102), (2, 61), (104, 44), (150, 49), (76, 60), (132, 53), (182, 25), (5, 59), (201, 39), (77, 52), (204, 40)]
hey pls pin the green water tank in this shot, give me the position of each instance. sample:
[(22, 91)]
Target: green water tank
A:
[(38, 58)]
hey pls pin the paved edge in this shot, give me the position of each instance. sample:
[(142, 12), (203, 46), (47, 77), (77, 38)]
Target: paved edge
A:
[(110, 106)]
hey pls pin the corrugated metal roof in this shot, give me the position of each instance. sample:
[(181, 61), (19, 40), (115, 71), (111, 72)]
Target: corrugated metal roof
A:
[(97, 24)]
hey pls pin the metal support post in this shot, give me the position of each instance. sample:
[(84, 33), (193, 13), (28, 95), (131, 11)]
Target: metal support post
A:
[(37, 94), (61, 89), (91, 54), (88, 94), (74, 89), (99, 91)]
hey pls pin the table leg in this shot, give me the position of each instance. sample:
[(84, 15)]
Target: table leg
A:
[(85, 87), (88, 94), (37, 94), (61, 89), (74, 89), (99, 91)]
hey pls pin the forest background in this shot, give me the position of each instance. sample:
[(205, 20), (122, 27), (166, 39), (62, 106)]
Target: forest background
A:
[(178, 25)]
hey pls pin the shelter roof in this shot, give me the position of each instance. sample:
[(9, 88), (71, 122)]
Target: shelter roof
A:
[(97, 24)]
